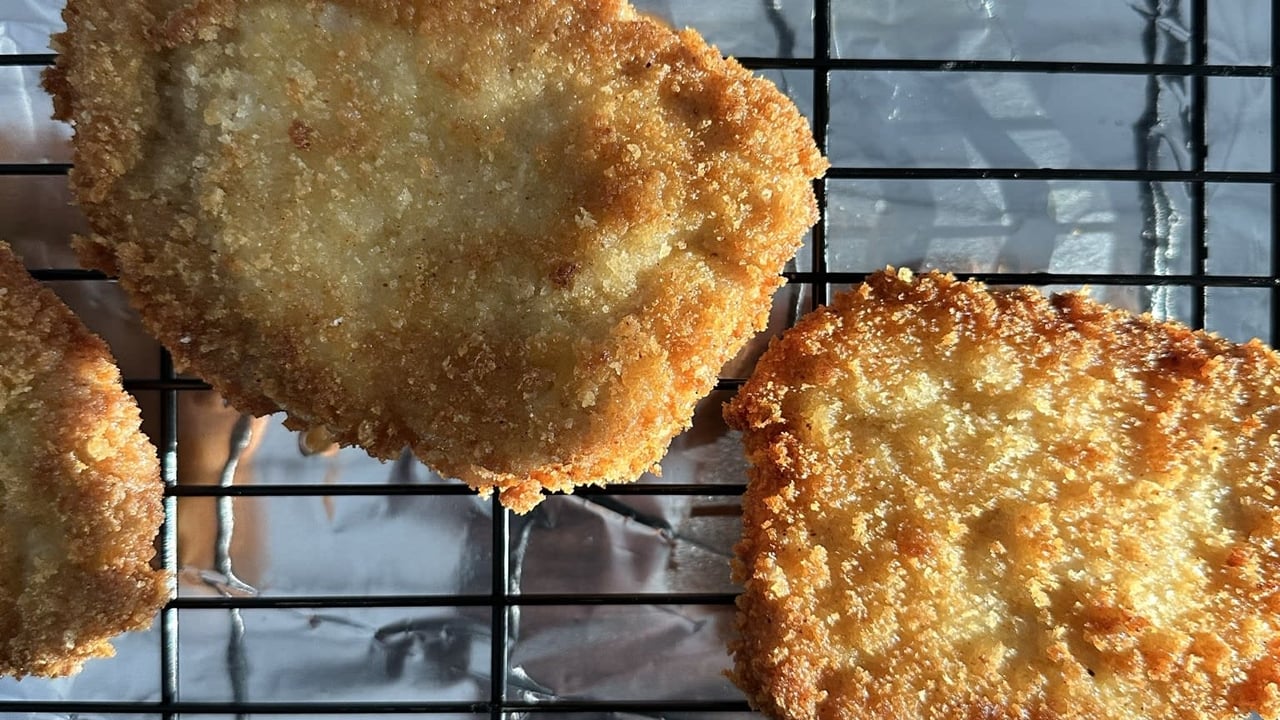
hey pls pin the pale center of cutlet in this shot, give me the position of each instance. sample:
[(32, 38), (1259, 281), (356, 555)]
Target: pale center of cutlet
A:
[(1011, 514)]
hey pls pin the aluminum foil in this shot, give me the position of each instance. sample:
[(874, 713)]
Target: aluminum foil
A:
[(377, 545)]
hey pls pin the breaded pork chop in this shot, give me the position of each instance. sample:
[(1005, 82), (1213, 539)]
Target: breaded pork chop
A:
[(519, 237), (79, 489), (973, 504)]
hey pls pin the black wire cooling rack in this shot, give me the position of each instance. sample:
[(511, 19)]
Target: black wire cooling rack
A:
[(1185, 65)]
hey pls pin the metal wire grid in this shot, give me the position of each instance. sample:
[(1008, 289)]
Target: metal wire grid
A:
[(1194, 66)]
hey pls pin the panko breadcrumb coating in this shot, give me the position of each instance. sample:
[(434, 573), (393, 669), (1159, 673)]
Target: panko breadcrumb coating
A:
[(973, 504), (518, 237), (79, 489)]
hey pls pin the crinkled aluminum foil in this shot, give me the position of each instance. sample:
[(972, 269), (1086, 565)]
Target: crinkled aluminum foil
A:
[(368, 545)]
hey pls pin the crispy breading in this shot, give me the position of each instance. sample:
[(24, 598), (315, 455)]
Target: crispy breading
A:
[(518, 237), (79, 489), (974, 504)]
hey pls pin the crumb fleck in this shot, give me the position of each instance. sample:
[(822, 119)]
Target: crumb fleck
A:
[(562, 276), (301, 134)]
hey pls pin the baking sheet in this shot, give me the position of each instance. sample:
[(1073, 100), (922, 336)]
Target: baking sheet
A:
[(441, 545)]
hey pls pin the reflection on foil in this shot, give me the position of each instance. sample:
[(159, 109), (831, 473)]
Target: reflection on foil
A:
[(1015, 120), (443, 648), (237, 666), (627, 544), (577, 546), (786, 33), (1165, 41), (346, 545), (216, 446), (568, 546)]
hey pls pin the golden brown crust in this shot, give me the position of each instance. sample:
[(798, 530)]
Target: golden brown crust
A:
[(973, 504), (79, 489), (520, 238)]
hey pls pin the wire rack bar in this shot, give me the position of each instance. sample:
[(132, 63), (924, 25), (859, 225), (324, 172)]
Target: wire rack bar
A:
[(810, 276), (168, 532), (1199, 151), (839, 172), (69, 274), (805, 276), (444, 488), (500, 600), (1046, 67), (169, 709), (1275, 170), (633, 706), (824, 61), (12, 168), (821, 128), (1117, 174), (802, 276), (1046, 278), (176, 383), (26, 59)]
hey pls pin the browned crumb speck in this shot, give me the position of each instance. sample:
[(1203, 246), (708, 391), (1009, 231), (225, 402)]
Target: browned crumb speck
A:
[(519, 237), (79, 489), (973, 504)]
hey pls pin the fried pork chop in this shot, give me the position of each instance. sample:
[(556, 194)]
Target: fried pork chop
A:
[(973, 504), (79, 489), (518, 237)]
